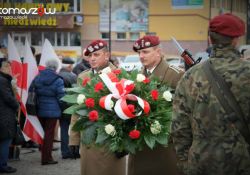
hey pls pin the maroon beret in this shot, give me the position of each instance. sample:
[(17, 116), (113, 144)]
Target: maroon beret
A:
[(146, 42), (94, 46), (227, 24)]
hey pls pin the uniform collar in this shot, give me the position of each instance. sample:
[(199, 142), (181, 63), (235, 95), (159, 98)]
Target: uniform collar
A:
[(227, 52)]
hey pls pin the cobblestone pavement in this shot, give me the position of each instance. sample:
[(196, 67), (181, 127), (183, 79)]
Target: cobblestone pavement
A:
[(30, 164)]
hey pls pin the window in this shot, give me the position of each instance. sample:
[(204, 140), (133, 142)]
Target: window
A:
[(134, 36), (50, 36), (105, 35), (55, 38), (121, 35), (75, 39), (62, 39), (78, 6), (36, 38), (3, 40)]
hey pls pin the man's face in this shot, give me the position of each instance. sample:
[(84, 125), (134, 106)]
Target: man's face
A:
[(98, 58), (150, 56)]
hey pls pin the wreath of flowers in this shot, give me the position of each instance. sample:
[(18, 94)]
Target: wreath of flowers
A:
[(123, 111)]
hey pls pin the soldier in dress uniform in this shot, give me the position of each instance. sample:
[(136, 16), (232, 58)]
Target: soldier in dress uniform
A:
[(161, 160), (205, 140), (97, 161)]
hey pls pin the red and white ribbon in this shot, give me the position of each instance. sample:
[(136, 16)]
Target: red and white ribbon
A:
[(118, 91)]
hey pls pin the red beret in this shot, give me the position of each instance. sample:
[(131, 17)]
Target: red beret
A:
[(146, 42), (227, 24), (94, 46)]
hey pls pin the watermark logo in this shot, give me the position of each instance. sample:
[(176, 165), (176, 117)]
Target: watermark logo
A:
[(22, 13), (40, 10)]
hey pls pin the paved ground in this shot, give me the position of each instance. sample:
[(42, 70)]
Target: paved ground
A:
[(30, 164)]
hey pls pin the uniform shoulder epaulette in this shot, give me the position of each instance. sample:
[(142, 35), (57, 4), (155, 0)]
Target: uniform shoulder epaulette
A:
[(176, 69), (84, 72)]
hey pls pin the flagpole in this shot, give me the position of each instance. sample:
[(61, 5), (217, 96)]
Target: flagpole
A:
[(21, 94)]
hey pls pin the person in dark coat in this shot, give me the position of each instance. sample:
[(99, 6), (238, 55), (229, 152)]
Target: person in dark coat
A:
[(69, 79), (49, 88), (8, 111), (82, 66)]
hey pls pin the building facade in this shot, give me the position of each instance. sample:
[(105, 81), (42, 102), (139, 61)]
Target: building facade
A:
[(77, 22), (61, 23)]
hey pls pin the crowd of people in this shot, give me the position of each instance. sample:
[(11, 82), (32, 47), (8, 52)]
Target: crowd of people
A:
[(205, 138)]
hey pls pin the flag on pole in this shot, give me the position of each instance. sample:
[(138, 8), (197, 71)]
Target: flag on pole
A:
[(24, 74), (48, 53), (32, 127), (16, 65)]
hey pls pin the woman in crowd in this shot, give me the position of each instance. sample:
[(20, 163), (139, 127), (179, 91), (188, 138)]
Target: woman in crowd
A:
[(49, 88), (8, 110)]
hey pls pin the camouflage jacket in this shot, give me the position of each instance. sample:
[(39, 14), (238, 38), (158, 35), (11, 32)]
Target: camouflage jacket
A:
[(205, 142)]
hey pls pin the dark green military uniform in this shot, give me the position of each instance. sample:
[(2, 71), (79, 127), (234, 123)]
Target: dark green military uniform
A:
[(161, 160), (204, 140)]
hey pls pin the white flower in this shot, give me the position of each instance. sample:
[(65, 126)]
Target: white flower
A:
[(140, 77), (110, 130), (167, 96), (155, 127), (106, 70), (80, 98), (111, 104)]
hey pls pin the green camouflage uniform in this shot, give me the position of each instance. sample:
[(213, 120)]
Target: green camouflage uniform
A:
[(205, 142)]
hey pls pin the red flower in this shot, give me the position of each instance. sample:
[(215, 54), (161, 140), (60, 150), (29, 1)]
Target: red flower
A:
[(131, 108), (98, 86), (129, 88), (154, 94), (146, 81), (90, 102), (85, 81), (93, 115), (117, 71), (134, 134)]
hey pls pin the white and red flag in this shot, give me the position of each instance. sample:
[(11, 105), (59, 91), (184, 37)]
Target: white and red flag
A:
[(48, 53), (16, 65), (32, 127), (24, 74)]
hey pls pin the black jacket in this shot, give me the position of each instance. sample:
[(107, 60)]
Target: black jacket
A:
[(69, 78), (8, 108), (80, 67)]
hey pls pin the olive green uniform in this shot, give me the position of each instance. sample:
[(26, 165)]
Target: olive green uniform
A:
[(161, 160), (96, 161)]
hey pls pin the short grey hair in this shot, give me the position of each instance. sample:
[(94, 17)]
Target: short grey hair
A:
[(52, 64)]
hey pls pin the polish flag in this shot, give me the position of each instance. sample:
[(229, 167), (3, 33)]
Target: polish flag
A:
[(16, 65), (24, 74), (32, 127), (48, 53)]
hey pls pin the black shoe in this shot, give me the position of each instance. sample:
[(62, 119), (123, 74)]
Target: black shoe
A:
[(56, 140), (49, 162), (55, 148), (68, 157), (77, 156), (8, 169)]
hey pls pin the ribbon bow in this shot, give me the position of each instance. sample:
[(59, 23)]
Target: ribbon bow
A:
[(120, 90)]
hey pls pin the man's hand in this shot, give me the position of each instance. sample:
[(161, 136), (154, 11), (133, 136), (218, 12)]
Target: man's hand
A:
[(74, 149)]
